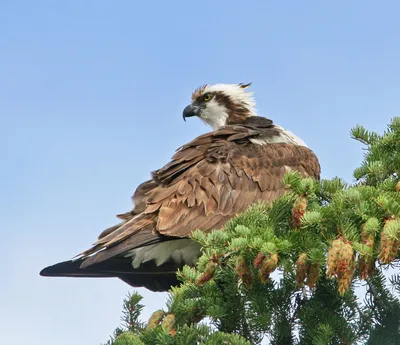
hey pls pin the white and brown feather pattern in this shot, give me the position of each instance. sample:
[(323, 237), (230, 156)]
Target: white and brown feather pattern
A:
[(207, 182)]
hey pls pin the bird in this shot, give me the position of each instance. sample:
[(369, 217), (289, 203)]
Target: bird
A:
[(208, 181)]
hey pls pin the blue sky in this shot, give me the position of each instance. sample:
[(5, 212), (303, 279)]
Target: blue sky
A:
[(91, 96)]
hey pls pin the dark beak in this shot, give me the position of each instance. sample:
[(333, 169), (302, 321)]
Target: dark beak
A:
[(191, 110)]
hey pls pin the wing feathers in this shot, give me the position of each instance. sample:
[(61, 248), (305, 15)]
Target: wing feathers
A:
[(207, 182)]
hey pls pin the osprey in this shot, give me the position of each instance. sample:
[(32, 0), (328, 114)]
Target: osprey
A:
[(207, 182)]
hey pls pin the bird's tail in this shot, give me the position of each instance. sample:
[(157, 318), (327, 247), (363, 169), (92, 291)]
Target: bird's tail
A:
[(72, 268), (150, 276)]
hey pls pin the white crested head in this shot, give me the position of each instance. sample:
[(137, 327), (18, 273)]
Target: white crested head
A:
[(237, 94), (222, 104)]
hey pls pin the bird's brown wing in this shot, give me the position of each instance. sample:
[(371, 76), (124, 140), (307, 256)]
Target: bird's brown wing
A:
[(207, 182)]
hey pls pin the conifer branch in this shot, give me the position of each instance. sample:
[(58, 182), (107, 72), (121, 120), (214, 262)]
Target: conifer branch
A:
[(288, 271)]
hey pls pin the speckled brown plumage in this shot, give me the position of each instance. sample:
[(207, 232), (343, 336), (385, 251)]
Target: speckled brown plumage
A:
[(207, 182)]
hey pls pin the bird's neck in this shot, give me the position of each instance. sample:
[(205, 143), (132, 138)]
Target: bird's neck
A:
[(280, 135)]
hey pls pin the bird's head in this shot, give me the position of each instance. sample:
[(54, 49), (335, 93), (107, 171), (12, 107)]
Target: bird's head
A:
[(221, 104)]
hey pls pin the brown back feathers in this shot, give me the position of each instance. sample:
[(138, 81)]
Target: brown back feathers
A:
[(207, 182)]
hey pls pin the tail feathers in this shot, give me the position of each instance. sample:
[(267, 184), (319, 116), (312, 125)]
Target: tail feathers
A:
[(150, 276), (153, 283), (72, 269)]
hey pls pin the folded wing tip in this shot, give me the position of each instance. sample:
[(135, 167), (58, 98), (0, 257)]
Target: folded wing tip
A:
[(70, 268), (153, 281), (45, 272)]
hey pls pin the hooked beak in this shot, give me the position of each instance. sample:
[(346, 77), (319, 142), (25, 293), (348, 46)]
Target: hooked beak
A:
[(191, 110)]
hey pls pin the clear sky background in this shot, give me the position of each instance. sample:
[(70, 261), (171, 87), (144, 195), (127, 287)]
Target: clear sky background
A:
[(91, 97)]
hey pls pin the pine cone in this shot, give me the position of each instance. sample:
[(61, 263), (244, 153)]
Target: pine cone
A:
[(312, 275), (345, 278), (243, 271), (366, 264), (155, 319), (298, 210), (388, 248), (208, 273), (366, 267), (259, 259), (267, 266), (345, 258), (341, 263), (301, 269), (168, 323), (333, 256)]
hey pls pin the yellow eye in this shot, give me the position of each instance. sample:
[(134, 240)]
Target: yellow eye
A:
[(207, 97)]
